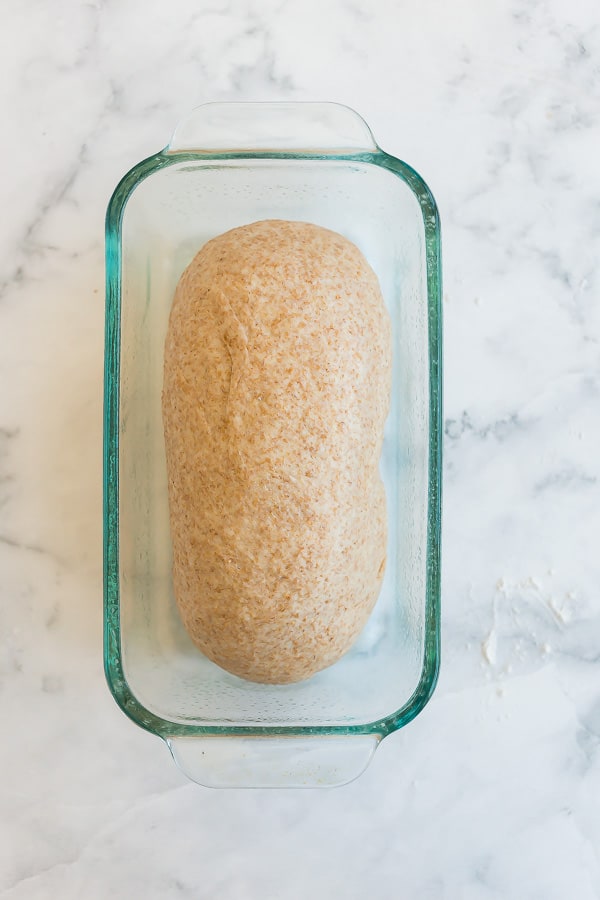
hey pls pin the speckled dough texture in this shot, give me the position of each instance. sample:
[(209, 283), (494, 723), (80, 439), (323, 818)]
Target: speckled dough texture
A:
[(276, 388)]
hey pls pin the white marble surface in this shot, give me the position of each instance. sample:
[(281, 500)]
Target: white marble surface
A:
[(493, 792)]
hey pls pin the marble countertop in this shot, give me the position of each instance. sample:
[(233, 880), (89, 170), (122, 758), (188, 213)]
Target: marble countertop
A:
[(492, 792)]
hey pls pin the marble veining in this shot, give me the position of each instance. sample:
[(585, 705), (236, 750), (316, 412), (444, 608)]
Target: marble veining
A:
[(492, 793)]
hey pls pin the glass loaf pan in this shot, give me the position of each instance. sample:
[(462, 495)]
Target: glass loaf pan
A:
[(229, 164)]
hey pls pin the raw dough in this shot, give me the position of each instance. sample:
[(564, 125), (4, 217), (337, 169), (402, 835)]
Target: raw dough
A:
[(276, 388)]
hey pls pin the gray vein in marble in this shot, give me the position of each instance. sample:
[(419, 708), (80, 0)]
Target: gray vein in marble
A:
[(568, 477), (261, 72), (360, 13), (500, 430), (20, 545), (54, 617), (32, 877), (52, 684), (98, 836), (26, 244), (589, 745), (7, 435)]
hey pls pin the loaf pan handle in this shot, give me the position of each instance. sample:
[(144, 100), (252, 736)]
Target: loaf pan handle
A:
[(273, 761), (320, 128)]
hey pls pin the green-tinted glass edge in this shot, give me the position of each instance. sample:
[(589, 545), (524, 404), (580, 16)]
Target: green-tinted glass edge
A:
[(112, 636)]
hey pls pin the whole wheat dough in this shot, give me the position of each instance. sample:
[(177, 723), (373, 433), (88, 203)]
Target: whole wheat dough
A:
[(276, 388)]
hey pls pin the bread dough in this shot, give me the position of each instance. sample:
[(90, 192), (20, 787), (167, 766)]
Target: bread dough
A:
[(277, 376)]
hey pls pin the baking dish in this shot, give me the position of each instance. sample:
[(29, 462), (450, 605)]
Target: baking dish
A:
[(229, 164)]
